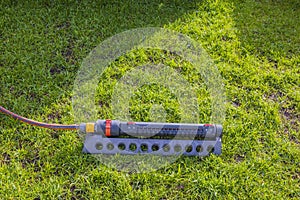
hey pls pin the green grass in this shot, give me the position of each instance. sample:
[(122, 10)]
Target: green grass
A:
[(255, 45)]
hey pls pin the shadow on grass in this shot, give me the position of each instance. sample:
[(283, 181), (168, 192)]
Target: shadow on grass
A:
[(45, 42), (269, 28)]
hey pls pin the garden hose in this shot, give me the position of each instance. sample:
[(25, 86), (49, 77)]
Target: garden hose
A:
[(40, 124)]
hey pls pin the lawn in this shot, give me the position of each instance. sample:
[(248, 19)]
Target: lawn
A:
[(255, 46)]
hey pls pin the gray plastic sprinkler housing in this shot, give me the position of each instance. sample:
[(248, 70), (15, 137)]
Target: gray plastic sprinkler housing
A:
[(116, 137)]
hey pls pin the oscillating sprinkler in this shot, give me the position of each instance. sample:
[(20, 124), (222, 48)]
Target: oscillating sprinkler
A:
[(117, 137)]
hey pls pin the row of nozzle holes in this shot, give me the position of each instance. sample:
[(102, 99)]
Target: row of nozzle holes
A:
[(154, 147)]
